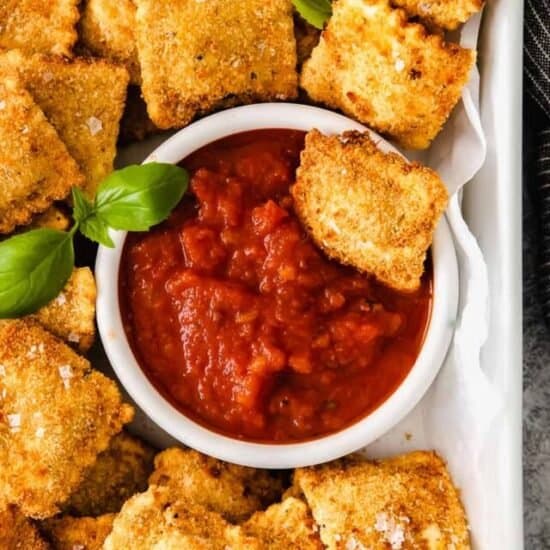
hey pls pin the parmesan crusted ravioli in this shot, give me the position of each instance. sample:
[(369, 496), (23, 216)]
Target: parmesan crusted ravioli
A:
[(56, 415), (199, 56), (447, 14), (39, 26), (407, 502), (107, 30), (83, 99), (69, 533), (71, 316), (156, 519), (233, 491), (369, 209), (35, 166), (386, 72), (285, 525), (118, 473)]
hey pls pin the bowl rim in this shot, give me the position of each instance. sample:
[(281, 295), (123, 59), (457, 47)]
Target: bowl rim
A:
[(274, 455)]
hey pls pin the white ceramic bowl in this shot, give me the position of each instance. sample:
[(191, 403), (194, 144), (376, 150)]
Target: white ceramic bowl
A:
[(406, 396)]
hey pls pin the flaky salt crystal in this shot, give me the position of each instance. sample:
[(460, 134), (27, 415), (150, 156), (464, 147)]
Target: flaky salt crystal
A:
[(94, 125), (14, 422)]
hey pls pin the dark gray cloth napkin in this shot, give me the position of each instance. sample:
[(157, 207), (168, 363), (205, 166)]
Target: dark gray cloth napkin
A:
[(537, 87)]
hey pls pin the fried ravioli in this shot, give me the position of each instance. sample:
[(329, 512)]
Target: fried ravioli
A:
[(405, 502), (56, 415), (119, 472), (446, 14), (285, 525), (233, 491), (307, 38), (35, 166), (71, 316), (39, 26), (386, 72), (68, 533), (53, 218), (19, 533), (369, 209), (198, 56), (107, 30), (155, 519), (83, 100)]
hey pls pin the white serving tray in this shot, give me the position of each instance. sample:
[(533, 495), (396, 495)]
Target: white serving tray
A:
[(492, 208)]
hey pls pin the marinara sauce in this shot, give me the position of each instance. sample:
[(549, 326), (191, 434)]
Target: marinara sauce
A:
[(242, 323)]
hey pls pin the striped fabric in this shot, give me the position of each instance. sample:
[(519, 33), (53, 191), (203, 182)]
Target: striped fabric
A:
[(537, 86)]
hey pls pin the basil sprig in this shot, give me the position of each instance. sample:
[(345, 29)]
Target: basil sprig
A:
[(35, 266), (315, 12)]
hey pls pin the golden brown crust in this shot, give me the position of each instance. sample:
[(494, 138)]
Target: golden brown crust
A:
[(39, 26), (56, 415), (386, 72), (83, 99), (188, 69), (368, 209), (233, 491), (19, 533), (285, 525), (407, 502), (446, 14), (155, 519), (71, 316), (107, 30), (118, 473), (68, 533), (54, 218), (36, 168)]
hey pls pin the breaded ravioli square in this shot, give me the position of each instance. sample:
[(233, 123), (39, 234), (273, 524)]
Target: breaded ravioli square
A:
[(107, 30), (35, 166), (386, 72), (156, 519), (39, 26), (285, 525), (118, 473), (198, 56), (69, 533), (371, 210), (19, 533), (233, 491), (83, 99), (406, 502), (446, 14), (71, 315), (56, 415)]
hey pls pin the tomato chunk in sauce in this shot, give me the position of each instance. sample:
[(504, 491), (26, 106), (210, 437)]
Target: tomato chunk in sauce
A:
[(242, 323)]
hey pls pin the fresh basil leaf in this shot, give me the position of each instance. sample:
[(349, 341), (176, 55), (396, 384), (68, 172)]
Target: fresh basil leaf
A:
[(82, 207), (96, 230), (34, 268), (138, 197), (315, 12)]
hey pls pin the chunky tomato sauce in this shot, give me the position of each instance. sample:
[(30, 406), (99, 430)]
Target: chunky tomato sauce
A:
[(242, 323)]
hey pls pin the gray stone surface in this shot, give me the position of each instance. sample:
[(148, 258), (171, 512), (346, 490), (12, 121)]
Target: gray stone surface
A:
[(536, 406)]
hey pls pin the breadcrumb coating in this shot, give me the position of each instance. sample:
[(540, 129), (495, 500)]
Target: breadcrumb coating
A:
[(71, 315), (369, 209), (56, 415), (35, 166), (39, 26), (68, 533), (386, 72), (400, 503), (233, 491), (118, 473), (83, 99), (199, 56), (18, 532)]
